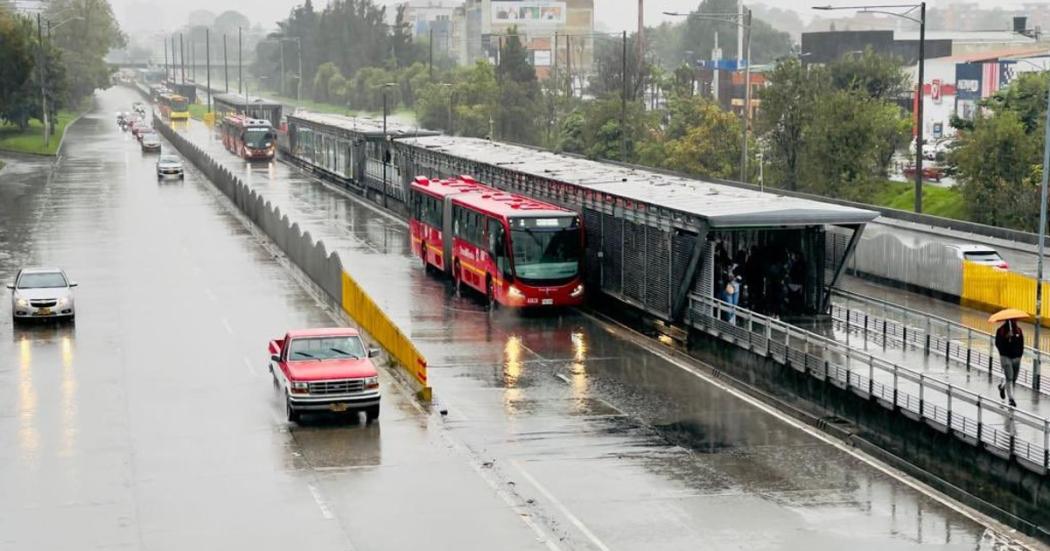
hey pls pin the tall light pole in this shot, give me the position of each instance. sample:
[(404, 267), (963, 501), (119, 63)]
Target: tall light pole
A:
[(743, 21), (240, 62), (451, 95), (45, 118), (386, 141), (1042, 237), (920, 96)]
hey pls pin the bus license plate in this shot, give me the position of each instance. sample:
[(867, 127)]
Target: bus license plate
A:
[(338, 408), (547, 301)]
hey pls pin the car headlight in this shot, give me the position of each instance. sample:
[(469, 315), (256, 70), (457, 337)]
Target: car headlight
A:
[(372, 382), (22, 302), (300, 387), (514, 292), (577, 291)]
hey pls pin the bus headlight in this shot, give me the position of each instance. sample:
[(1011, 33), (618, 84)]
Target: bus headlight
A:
[(577, 292), (514, 292)]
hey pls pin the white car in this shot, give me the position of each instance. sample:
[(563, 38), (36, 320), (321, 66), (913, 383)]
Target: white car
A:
[(980, 254), (42, 293), (169, 165)]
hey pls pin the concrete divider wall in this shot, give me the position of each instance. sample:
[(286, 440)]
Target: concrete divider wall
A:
[(312, 257)]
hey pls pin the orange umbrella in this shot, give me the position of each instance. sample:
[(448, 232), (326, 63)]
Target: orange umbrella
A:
[(1008, 314)]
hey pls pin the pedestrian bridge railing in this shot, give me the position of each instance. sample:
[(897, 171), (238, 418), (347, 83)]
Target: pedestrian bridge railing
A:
[(897, 325), (996, 427)]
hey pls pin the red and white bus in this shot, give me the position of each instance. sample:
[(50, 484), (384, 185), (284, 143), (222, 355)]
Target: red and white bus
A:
[(516, 251), (252, 139)]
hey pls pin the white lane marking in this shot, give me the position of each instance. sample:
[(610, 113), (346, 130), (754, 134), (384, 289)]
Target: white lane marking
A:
[(563, 378), (619, 330), (325, 511), (226, 324), (248, 364), (209, 294), (561, 507)]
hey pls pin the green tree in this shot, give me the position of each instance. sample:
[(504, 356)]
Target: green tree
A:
[(337, 88), (1025, 96), (88, 33), (698, 35), (844, 149), (322, 80), (999, 166), (16, 70), (607, 79), (788, 105), (877, 76), (705, 140), (519, 93)]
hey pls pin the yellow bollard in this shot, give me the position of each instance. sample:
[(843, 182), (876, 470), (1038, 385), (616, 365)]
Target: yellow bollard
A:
[(209, 119)]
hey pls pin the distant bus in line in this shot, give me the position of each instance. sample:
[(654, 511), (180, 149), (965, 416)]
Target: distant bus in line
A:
[(174, 107), (251, 139), (516, 251)]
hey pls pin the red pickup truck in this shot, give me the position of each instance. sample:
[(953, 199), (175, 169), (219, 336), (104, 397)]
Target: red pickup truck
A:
[(325, 370)]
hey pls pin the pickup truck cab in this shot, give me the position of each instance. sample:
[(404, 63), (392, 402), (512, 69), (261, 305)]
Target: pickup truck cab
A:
[(321, 370)]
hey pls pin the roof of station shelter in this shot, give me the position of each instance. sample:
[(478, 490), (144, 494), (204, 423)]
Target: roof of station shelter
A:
[(719, 205), (365, 125)]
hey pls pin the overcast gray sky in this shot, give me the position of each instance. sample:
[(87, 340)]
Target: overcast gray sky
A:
[(614, 15)]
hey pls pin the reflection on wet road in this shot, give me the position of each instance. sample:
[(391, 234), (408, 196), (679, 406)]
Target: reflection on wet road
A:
[(151, 424)]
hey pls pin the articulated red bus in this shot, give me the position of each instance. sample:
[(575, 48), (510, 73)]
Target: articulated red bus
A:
[(516, 251), (252, 139)]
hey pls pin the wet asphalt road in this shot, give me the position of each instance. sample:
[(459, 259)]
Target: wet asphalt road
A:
[(151, 424)]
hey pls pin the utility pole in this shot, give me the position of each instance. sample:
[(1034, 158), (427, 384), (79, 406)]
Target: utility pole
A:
[(280, 48), (225, 64), (193, 60), (641, 31), (174, 66), (165, 59), (431, 62), (747, 96), (568, 62), (919, 108), (240, 63), (623, 104), (207, 61), (182, 57), (43, 80)]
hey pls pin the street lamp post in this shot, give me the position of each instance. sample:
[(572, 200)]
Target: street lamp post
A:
[(451, 95), (43, 70), (386, 141), (743, 22), (919, 95)]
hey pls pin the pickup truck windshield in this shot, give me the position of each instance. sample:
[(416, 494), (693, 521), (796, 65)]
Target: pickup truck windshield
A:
[(326, 348)]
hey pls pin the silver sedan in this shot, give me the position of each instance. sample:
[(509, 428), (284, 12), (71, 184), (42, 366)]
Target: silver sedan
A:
[(42, 293)]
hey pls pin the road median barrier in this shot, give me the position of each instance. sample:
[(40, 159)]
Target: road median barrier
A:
[(324, 268), (992, 289)]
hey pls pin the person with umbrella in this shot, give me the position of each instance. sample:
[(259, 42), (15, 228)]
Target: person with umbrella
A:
[(1009, 341)]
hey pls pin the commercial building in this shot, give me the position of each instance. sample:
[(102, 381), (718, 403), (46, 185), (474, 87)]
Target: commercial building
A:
[(555, 32)]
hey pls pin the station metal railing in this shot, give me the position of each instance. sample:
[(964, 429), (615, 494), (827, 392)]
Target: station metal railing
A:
[(896, 325), (996, 427)]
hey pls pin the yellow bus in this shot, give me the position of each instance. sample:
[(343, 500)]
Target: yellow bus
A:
[(174, 107)]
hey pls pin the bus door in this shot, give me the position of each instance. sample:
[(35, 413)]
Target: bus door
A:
[(446, 232)]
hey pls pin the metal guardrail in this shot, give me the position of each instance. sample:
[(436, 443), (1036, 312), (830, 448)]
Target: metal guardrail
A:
[(971, 348), (998, 428)]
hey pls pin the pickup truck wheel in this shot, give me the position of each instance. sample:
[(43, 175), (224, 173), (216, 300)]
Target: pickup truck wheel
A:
[(293, 416), (372, 413)]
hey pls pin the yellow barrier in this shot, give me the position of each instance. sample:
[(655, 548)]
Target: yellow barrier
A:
[(991, 289), (209, 119), (372, 319)]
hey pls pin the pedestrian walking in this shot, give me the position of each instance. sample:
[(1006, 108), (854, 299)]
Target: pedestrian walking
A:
[(1009, 341)]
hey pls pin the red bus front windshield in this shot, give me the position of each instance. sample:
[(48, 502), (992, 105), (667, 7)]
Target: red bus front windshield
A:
[(258, 137), (546, 249)]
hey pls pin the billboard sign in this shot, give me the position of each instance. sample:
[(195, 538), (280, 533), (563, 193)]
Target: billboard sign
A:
[(528, 12)]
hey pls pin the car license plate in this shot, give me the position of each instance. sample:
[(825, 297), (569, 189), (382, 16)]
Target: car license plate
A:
[(548, 301), (339, 407), (43, 312)]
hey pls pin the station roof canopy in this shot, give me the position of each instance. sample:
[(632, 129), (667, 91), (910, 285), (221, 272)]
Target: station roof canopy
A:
[(364, 125), (719, 205), (241, 99)]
